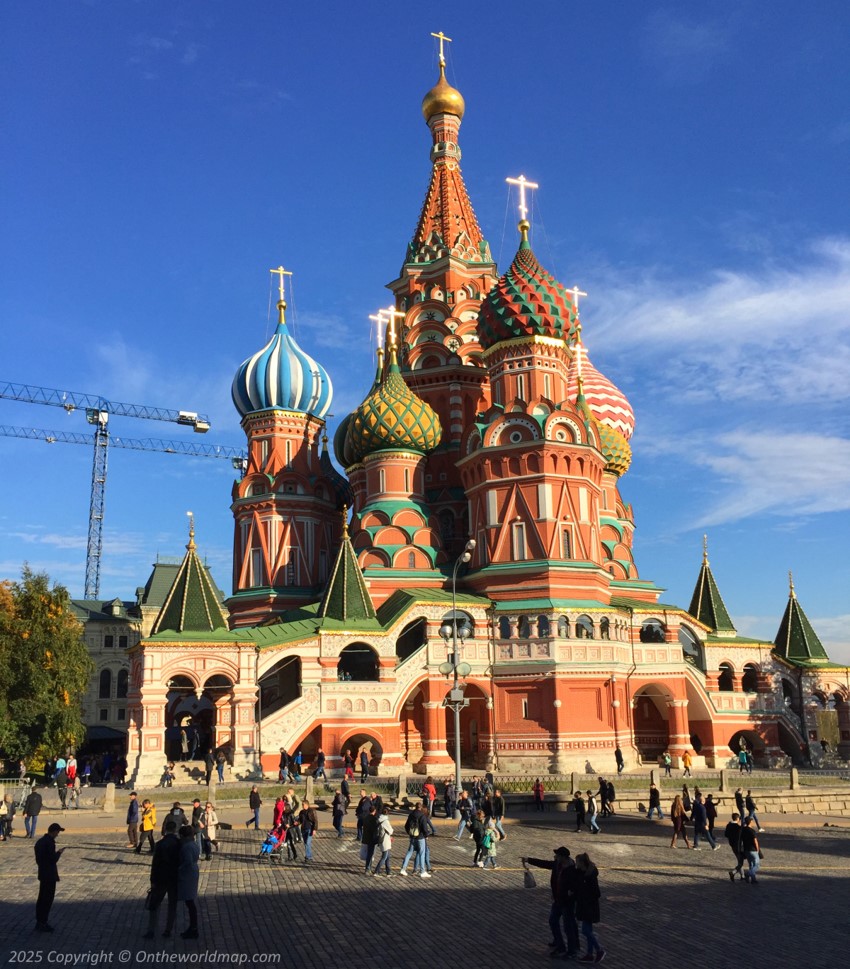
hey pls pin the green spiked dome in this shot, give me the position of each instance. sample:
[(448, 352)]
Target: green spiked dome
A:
[(391, 417), (706, 603), (192, 602), (796, 640), (527, 301)]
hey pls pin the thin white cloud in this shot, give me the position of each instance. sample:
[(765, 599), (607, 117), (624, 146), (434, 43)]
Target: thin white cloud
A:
[(53, 539), (683, 51)]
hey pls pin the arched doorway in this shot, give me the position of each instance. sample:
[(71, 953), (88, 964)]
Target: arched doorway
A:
[(649, 719), (726, 678), (412, 637), (752, 741), (363, 741), (475, 729)]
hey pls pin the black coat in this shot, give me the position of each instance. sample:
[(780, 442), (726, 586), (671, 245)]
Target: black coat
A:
[(587, 896), (165, 862), (46, 857)]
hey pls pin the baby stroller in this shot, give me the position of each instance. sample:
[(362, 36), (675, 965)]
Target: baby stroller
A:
[(272, 846)]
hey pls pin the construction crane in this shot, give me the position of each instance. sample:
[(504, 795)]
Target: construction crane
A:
[(97, 410)]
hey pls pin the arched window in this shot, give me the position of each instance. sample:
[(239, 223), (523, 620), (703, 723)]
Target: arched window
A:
[(584, 627), (726, 679), (105, 691), (504, 627), (123, 678), (411, 560), (750, 679), (524, 627), (542, 626), (692, 648), (358, 662), (563, 627), (604, 628), (652, 631)]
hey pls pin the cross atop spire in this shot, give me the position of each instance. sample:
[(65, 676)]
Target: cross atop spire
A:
[(442, 39), (523, 184), (191, 530), (705, 549), (576, 293), (280, 271)]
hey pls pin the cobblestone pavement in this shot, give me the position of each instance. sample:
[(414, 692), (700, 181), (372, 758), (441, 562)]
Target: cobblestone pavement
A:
[(660, 908)]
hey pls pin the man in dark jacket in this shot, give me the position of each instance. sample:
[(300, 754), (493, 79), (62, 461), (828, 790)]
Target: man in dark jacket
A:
[(364, 767), (700, 819), (164, 866), (198, 823), (562, 882), (370, 836), (254, 803), (32, 809), (450, 798), (732, 833), (177, 815), (46, 858), (209, 766), (133, 821), (361, 812)]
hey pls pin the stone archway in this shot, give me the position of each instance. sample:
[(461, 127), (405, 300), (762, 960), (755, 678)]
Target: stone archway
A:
[(363, 740), (650, 721)]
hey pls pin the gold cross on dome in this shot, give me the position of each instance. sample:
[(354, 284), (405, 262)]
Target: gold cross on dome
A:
[(280, 271), (441, 37), (379, 319), (523, 184), (576, 292), (392, 315)]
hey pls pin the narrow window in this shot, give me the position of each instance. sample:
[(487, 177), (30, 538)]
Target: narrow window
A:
[(122, 642), (519, 541), (566, 544)]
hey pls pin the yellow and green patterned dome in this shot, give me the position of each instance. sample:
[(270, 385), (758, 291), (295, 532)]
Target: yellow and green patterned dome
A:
[(392, 416)]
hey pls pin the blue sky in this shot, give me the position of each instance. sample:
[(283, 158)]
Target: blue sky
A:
[(692, 158)]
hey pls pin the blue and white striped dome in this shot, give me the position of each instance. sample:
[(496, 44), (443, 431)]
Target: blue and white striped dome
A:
[(282, 376)]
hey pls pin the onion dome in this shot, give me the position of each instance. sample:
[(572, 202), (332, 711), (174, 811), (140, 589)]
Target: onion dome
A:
[(442, 99), (282, 376), (341, 453), (527, 301), (391, 417), (607, 403)]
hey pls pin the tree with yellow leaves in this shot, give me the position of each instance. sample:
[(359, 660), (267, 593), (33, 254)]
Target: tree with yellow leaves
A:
[(44, 668)]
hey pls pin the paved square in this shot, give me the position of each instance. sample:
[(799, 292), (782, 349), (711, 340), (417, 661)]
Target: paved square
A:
[(660, 908)]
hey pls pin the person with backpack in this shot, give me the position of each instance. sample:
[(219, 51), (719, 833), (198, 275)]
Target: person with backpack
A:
[(32, 809), (414, 827), (667, 762)]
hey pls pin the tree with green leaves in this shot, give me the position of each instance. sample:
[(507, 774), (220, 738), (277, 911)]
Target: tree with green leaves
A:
[(44, 668)]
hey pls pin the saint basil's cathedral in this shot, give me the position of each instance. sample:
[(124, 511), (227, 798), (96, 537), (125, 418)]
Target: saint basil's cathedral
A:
[(480, 506)]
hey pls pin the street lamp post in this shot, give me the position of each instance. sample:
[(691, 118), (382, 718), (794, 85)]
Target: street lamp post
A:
[(456, 701)]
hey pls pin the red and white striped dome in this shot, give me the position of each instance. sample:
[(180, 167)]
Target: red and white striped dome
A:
[(607, 403)]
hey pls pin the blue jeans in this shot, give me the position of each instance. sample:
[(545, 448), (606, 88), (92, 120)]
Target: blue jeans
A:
[(385, 861), (705, 834), (426, 855), (30, 823), (220, 769), (499, 828), (592, 942), (416, 847), (755, 817), (308, 846), (658, 809), (338, 824), (592, 823), (256, 818), (460, 828), (752, 866)]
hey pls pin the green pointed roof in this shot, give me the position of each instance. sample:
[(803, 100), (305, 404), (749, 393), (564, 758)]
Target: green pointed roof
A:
[(707, 604), (192, 603), (346, 597), (796, 640)]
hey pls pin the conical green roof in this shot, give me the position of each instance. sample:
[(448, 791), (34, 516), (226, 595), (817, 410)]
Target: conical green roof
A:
[(707, 604), (192, 603), (796, 640), (346, 597)]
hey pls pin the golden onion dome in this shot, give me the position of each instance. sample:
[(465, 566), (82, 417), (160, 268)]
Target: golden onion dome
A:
[(442, 99), (615, 449)]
